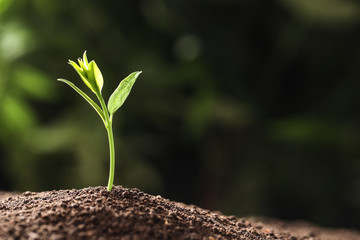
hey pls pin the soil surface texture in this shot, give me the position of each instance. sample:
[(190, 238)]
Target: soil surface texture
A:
[(95, 213)]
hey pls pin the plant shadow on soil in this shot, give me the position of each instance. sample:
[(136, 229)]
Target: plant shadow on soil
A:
[(95, 213)]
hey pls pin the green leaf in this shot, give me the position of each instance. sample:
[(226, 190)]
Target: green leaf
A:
[(86, 97), (95, 77), (122, 92), (86, 63)]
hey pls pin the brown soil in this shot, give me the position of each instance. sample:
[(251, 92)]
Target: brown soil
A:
[(95, 213)]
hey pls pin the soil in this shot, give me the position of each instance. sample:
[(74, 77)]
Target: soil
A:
[(95, 213)]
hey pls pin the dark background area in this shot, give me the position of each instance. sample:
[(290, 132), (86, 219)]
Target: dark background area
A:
[(250, 107)]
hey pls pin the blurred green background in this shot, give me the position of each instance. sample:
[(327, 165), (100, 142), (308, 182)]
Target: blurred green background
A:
[(251, 107)]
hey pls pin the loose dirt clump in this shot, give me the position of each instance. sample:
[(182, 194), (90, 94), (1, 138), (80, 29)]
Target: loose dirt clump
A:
[(95, 213)]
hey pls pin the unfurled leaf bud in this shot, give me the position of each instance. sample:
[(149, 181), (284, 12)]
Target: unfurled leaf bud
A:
[(89, 73)]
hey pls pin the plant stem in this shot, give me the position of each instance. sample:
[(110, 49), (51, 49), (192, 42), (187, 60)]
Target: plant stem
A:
[(108, 126), (112, 156)]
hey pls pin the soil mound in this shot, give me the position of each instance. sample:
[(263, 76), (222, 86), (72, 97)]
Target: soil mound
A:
[(95, 213)]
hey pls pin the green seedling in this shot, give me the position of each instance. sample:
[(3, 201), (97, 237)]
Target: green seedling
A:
[(93, 79)]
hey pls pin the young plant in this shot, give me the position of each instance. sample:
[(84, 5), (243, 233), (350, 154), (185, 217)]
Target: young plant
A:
[(93, 79)]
